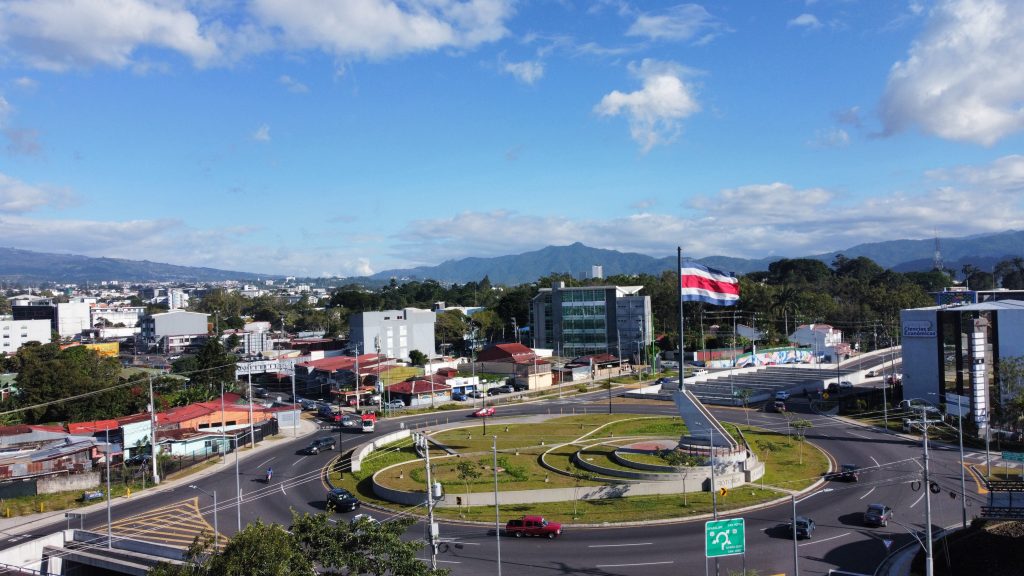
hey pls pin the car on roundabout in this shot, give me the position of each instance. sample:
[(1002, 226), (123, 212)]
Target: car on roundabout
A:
[(804, 527), (846, 473), (342, 500), (533, 526), (484, 412), (877, 515)]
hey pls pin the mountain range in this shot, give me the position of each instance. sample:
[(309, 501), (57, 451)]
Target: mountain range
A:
[(982, 251)]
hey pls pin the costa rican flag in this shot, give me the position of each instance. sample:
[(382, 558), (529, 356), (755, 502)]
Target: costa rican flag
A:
[(703, 284)]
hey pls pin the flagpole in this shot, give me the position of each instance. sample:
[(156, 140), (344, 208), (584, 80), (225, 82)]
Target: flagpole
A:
[(679, 299)]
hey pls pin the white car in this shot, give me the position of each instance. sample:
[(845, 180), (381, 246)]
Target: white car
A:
[(782, 395)]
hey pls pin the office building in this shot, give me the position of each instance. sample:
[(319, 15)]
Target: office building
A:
[(393, 333)]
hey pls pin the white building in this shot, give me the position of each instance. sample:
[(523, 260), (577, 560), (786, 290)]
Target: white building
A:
[(108, 315), (825, 340), (15, 333), (173, 331), (393, 333)]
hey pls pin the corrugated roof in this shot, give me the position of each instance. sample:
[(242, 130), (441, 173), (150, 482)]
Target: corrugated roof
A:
[(421, 386)]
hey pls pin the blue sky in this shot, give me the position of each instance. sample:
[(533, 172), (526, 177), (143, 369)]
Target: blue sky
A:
[(316, 137)]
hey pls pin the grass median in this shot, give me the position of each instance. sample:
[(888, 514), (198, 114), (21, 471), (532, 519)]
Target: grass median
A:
[(791, 464)]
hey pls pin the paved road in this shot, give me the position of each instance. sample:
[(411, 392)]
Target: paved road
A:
[(840, 541)]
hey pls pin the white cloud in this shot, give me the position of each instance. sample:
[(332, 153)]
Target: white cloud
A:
[(5, 109), (757, 220), (382, 28), (25, 83), (63, 34), (17, 197), (683, 22), (960, 80), (526, 72), (831, 138), (804, 20), (262, 134), (292, 84), (655, 111)]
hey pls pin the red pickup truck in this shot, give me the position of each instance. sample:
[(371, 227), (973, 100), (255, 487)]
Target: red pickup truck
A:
[(533, 526)]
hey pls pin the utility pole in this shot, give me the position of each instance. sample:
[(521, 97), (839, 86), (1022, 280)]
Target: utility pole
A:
[(295, 411), (252, 426), (497, 509), (152, 432), (963, 479), (431, 526), (110, 534), (929, 569)]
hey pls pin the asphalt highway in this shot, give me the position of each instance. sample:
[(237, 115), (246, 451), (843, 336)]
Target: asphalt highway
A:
[(841, 543)]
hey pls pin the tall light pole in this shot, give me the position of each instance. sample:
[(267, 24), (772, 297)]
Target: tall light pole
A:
[(497, 509), (796, 554), (963, 479), (152, 432), (216, 529)]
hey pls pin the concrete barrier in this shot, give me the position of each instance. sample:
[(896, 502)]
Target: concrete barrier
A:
[(67, 483), (364, 451)]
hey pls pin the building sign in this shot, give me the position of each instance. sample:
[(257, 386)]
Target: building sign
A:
[(918, 329)]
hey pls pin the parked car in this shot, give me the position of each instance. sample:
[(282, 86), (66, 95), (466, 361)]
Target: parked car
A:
[(915, 406), (845, 385), (776, 406), (804, 527), (520, 386), (396, 404), (484, 412), (476, 394), (499, 390), (308, 404), (533, 526), (139, 459), (320, 444), (459, 397), (342, 500), (877, 515), (846, 472), (782, 395)]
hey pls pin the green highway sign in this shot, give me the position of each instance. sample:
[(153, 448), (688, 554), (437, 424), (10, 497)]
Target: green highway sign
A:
[(724, 538), (1016, 456)]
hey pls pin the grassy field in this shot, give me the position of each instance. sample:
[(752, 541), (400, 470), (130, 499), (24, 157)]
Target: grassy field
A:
[(519, 469)]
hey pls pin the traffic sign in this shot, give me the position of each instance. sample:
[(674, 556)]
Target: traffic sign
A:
[(1015, 456), (723, 491), (724, 538)]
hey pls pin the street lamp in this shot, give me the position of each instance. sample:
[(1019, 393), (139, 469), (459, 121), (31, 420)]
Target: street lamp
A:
[(796, 555), (216, 529)]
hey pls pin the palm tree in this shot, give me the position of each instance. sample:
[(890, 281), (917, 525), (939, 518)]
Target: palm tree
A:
[(785, 300)]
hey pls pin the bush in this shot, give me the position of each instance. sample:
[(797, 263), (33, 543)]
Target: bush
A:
[(582, 387)]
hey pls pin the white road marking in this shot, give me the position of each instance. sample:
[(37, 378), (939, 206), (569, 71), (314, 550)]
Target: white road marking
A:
[(639, 564), (260, 465), (826, 539), (859, 435), (297, 461), (868, 493), (919, 498), (875, 461), (619, 545), (282, 488)]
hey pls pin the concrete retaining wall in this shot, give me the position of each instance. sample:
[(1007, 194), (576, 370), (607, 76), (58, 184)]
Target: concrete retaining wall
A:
[(361, 453), (67, 482)]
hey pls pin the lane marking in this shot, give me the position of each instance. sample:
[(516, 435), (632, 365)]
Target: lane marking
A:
[(919, 498), (620, 545), (260, 465), (639, 564), (297, 461), (875, 461), (866, 495), (859, 435), (825, 539)]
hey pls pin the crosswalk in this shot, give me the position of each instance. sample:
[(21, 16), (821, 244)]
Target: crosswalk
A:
[(177, 524)]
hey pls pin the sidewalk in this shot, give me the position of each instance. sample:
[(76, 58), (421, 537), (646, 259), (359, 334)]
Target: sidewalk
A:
[(31, 522)]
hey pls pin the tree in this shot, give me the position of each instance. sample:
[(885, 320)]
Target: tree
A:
[(744, 395), (580, 475), (313, 541), (450, 327), (417, 358), (801, 426), (468, 472)]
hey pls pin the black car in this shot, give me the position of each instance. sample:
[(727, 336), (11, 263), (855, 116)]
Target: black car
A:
[(342, 500), (506, 389), (139, 460), (847, 473), (804, 527), (320, 444)]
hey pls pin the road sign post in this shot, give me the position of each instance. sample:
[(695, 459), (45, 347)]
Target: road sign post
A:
[(724, 538)]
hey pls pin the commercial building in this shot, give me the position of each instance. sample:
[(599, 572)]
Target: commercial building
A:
[(173, 331), (393, 333), (825, 340), (583, 320), (15, 333), (953, 353), (103, 315), (518, 362)]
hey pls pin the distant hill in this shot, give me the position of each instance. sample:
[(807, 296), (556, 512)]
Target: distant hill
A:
[(983, 251), (31, 267)]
